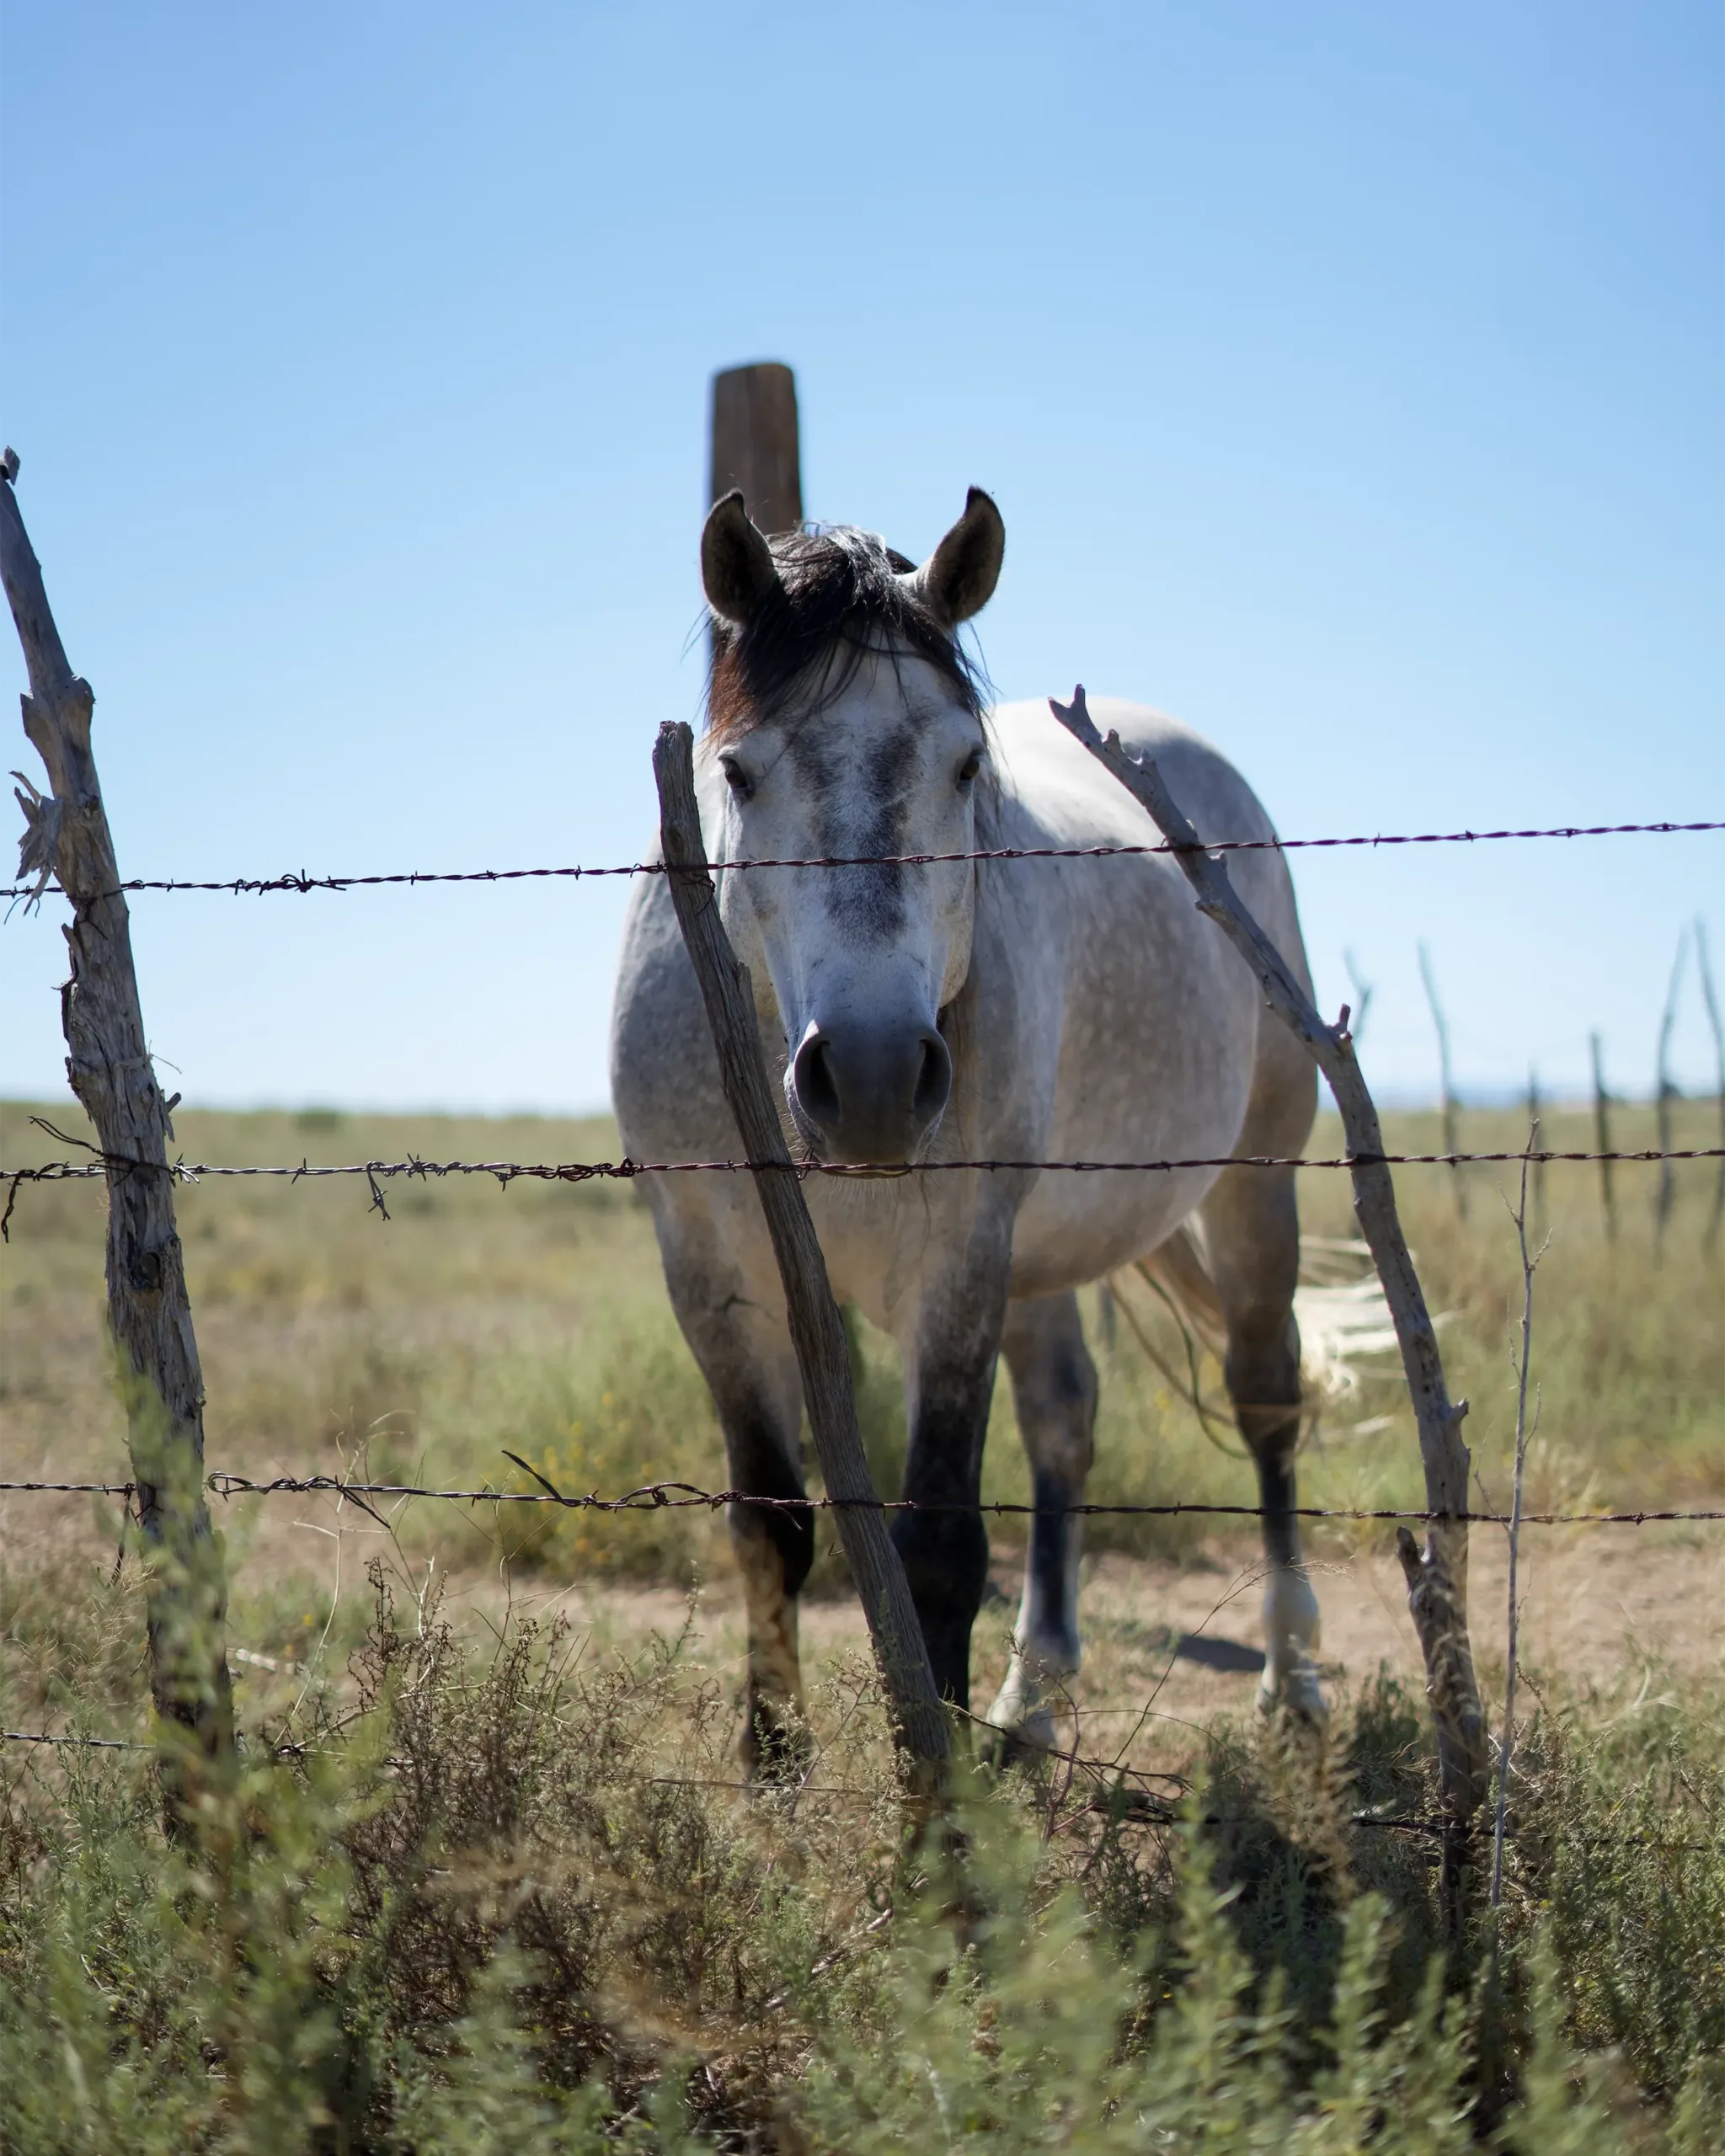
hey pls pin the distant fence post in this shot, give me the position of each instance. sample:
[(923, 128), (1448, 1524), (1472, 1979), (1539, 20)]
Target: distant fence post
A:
[(66, 837), (1437, 1581), (817, 1329), (1452, 1141), (1602, 1137), (1666, 1092), (1710, 996), (1535, 1110), (755, 444)]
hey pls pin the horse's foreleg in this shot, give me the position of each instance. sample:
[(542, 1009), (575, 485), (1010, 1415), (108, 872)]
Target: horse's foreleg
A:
[(1054, 1390), (1252, 1236), (745, 1352), (949, 1383)]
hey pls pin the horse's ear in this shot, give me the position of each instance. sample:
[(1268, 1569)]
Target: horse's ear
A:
[(737, 569), (958, 578)]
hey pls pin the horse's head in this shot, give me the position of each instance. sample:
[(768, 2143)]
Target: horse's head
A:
[(845, 722)]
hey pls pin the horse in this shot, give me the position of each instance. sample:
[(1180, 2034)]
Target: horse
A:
[(930, 1009)]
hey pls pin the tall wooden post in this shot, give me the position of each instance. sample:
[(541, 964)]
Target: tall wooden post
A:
[(108, 1062), (755, 443)]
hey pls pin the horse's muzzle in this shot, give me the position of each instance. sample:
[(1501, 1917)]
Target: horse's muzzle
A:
[(865, 1096)]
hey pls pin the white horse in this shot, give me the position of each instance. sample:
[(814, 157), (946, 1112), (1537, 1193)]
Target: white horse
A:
[(1021, 1011)]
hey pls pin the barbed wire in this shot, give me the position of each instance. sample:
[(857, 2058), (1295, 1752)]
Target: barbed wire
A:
[(627, 1170), (302, 884), (678, 1496)]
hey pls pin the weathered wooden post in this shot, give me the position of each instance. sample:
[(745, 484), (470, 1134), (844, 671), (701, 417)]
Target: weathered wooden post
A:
[(817, 1329), (755, 444), (1436, 1579), (108, 1063)]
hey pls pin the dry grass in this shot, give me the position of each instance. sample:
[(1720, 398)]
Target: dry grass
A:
[(560, 1885), (533, 1318)]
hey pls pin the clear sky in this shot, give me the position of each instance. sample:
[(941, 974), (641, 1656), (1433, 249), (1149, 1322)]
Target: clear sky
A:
[(1351, 377)]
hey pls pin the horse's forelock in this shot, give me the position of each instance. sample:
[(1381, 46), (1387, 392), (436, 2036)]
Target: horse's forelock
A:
[(840, 598)]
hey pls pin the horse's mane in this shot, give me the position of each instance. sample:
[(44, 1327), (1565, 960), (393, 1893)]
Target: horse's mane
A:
[(840, 598)]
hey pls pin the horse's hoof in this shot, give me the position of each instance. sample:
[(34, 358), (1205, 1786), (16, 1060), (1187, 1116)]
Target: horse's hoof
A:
[(1298, 1695), (1024, 1744), (776, 1753)]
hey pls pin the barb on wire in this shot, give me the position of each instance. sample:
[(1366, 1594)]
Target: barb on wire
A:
[(300, 883)]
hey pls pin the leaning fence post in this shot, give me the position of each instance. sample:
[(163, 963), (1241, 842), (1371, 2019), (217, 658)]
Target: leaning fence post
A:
[(108, 1061), (1436, 1579), (817, 1331)]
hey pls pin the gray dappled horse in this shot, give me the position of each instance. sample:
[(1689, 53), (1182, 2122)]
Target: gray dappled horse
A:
[(1020, 1011)]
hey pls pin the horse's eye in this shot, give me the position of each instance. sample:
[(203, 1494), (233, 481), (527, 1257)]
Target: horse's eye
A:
[(737, 778), (971, 766)]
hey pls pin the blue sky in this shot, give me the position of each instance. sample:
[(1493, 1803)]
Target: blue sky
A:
[(1352, 380)]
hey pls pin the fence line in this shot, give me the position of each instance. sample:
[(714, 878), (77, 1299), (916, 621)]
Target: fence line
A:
[(411, 878), (660, 1497)]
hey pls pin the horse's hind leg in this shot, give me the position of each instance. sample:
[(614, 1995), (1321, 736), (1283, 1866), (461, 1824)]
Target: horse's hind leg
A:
[(1054, 1389), (1251, 1244), (744, 1349)]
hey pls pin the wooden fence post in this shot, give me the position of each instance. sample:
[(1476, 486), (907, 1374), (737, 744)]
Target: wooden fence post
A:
[(66, 837), (1709, 998), (1536, 1110), (1452, 1125), (1437, 1580), (817, 1331), (1665, 1092), (755, 443), (1602, 1137)]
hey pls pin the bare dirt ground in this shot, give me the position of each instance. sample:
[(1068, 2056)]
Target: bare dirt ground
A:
[(1171, 1646)]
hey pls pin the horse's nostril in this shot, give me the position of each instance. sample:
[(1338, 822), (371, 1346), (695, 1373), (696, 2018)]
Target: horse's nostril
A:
[(817, 1087), (934, 1079)]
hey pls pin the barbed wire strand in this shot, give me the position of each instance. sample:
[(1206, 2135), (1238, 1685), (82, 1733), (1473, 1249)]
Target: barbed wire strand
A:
[(674, 1496), (301, 883), (627, 1170)]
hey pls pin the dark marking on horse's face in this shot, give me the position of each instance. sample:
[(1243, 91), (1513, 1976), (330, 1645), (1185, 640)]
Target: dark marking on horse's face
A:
[(860, 960)]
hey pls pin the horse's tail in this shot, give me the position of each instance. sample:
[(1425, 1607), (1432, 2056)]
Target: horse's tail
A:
[(1179, 1272), (1344, 1322)]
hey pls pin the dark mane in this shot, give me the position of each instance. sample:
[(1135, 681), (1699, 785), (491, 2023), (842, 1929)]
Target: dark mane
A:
[(840, 598)]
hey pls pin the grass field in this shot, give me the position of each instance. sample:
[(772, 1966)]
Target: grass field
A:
[(464, 1953)]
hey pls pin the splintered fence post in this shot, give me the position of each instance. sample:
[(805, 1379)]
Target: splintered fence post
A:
[(1602, 1139), (108, 1061), (1437, 1577), (817, 1329), (1452, 1139), (755, 443)]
